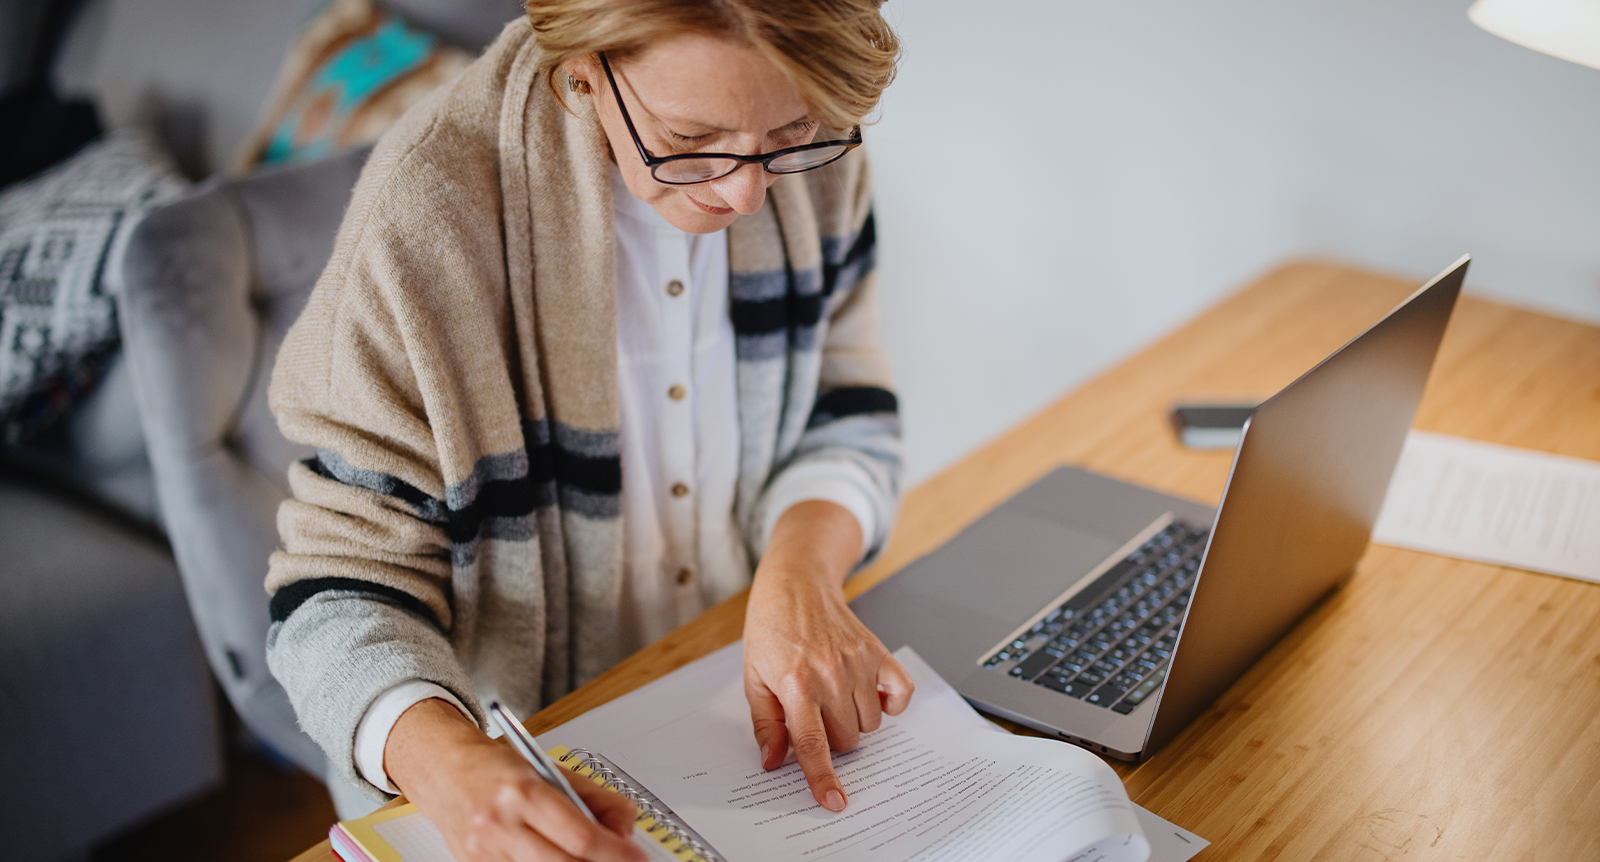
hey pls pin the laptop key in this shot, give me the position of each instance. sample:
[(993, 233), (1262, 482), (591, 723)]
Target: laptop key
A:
[(1034, 665), (1074, 663), (1066, 685), (1091, 677), (1107, 694)]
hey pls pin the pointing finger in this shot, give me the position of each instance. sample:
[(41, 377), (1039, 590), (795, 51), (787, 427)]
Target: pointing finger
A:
[(810, 739)]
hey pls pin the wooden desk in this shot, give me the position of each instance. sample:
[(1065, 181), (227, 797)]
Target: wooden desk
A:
[(1432, 709)]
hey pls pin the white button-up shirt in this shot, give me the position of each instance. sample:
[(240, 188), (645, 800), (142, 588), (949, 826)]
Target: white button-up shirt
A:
[(676, 378)]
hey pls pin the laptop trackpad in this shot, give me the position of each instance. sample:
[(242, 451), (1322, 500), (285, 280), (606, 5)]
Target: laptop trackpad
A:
[(1008, 564)]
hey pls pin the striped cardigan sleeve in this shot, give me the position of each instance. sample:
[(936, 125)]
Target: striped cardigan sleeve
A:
[(850, 448), (362, 592)]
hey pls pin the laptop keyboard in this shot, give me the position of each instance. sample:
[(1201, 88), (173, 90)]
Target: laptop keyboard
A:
[(1114, 653)]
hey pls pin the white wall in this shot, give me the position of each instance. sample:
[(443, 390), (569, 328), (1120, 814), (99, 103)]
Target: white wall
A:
[(1060, 181)]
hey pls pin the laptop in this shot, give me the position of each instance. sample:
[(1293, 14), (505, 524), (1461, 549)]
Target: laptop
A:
[(1111, 615)]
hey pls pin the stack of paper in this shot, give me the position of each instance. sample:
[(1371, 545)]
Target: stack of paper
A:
[(1480, 501)]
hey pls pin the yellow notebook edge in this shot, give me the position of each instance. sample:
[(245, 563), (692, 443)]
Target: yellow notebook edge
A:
[(363, 833)]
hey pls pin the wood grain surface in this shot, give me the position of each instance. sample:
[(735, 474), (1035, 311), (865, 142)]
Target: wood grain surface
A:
[(1432, 709)]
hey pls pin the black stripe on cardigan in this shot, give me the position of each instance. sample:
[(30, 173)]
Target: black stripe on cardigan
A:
[(775, 315), (862, 251), (794, 309), (549, 466), (290, 597), (852, 401)]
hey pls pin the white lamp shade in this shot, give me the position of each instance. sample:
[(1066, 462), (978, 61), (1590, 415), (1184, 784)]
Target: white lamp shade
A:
[(1569, 29)]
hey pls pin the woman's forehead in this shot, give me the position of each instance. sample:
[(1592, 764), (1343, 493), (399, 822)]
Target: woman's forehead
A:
[(714, 82)]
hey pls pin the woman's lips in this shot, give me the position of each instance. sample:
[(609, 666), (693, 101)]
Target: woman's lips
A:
[(708, 209)]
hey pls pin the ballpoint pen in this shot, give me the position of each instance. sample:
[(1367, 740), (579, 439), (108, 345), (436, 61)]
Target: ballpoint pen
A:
[(528, 747)]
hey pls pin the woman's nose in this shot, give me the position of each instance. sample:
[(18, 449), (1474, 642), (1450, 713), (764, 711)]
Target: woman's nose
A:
[(744, 189)]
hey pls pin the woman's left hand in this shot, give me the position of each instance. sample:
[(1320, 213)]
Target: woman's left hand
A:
[(815, 676)]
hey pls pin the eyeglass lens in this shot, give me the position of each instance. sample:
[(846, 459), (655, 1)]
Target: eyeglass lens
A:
[(701, 170)]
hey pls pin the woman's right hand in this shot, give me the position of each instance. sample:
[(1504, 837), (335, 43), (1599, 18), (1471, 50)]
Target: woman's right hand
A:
[(490, 804)]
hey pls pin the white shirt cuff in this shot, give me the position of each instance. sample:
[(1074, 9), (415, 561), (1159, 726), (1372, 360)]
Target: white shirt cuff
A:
[(372, 734), (834, 481)]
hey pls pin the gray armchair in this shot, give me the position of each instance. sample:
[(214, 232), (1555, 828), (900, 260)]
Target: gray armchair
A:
[(212, 283), (107, 713)]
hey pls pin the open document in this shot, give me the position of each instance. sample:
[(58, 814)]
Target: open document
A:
[(934, 783), (1498, 504)]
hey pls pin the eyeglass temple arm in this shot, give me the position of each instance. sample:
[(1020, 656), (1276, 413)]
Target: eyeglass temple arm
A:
[(616, 93)]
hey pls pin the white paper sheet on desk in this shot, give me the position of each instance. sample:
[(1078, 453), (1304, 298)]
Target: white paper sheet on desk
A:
[(693, 739), (1497, 504)]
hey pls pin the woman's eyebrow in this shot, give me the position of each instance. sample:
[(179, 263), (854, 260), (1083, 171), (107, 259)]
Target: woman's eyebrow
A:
[(711, 129), (804, 118)]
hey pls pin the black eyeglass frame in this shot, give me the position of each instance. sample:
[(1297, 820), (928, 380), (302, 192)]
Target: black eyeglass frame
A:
[(653, 162)]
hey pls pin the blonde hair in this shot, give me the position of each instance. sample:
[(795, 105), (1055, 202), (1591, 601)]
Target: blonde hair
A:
[(839, 54)]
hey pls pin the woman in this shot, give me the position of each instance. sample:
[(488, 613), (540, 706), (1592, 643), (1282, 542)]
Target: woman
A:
[(568, 379)]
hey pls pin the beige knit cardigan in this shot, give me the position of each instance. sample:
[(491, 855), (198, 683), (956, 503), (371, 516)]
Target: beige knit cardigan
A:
[(456, 371)]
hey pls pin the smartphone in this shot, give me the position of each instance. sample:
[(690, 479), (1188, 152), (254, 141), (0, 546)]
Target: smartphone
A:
[(1210, 426)]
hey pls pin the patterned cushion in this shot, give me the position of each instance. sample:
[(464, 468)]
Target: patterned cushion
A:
[(61, 234), (354, 70)]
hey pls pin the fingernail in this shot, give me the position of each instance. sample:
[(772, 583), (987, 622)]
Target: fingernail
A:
[(834, 800)]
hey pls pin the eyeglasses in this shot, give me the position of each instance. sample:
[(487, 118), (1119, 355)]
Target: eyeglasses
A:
[(690, 168)]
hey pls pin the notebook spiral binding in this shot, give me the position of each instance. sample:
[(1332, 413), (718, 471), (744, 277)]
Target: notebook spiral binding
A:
[(664, 820)]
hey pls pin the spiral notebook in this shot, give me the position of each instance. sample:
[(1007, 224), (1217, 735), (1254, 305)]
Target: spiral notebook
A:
[(405, 834), (938, 782)]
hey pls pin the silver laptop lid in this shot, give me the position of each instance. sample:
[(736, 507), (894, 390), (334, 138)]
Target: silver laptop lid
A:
[(1307, 482)]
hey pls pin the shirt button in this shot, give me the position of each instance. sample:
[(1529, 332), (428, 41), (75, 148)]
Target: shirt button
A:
[(684, 577), (674, 287), (676, 393), (680, 490)]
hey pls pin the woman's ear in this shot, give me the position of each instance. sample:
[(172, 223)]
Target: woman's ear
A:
[(580, 72)]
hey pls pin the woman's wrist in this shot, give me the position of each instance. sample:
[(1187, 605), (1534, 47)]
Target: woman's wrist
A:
[(420, 742), (813, 541)]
